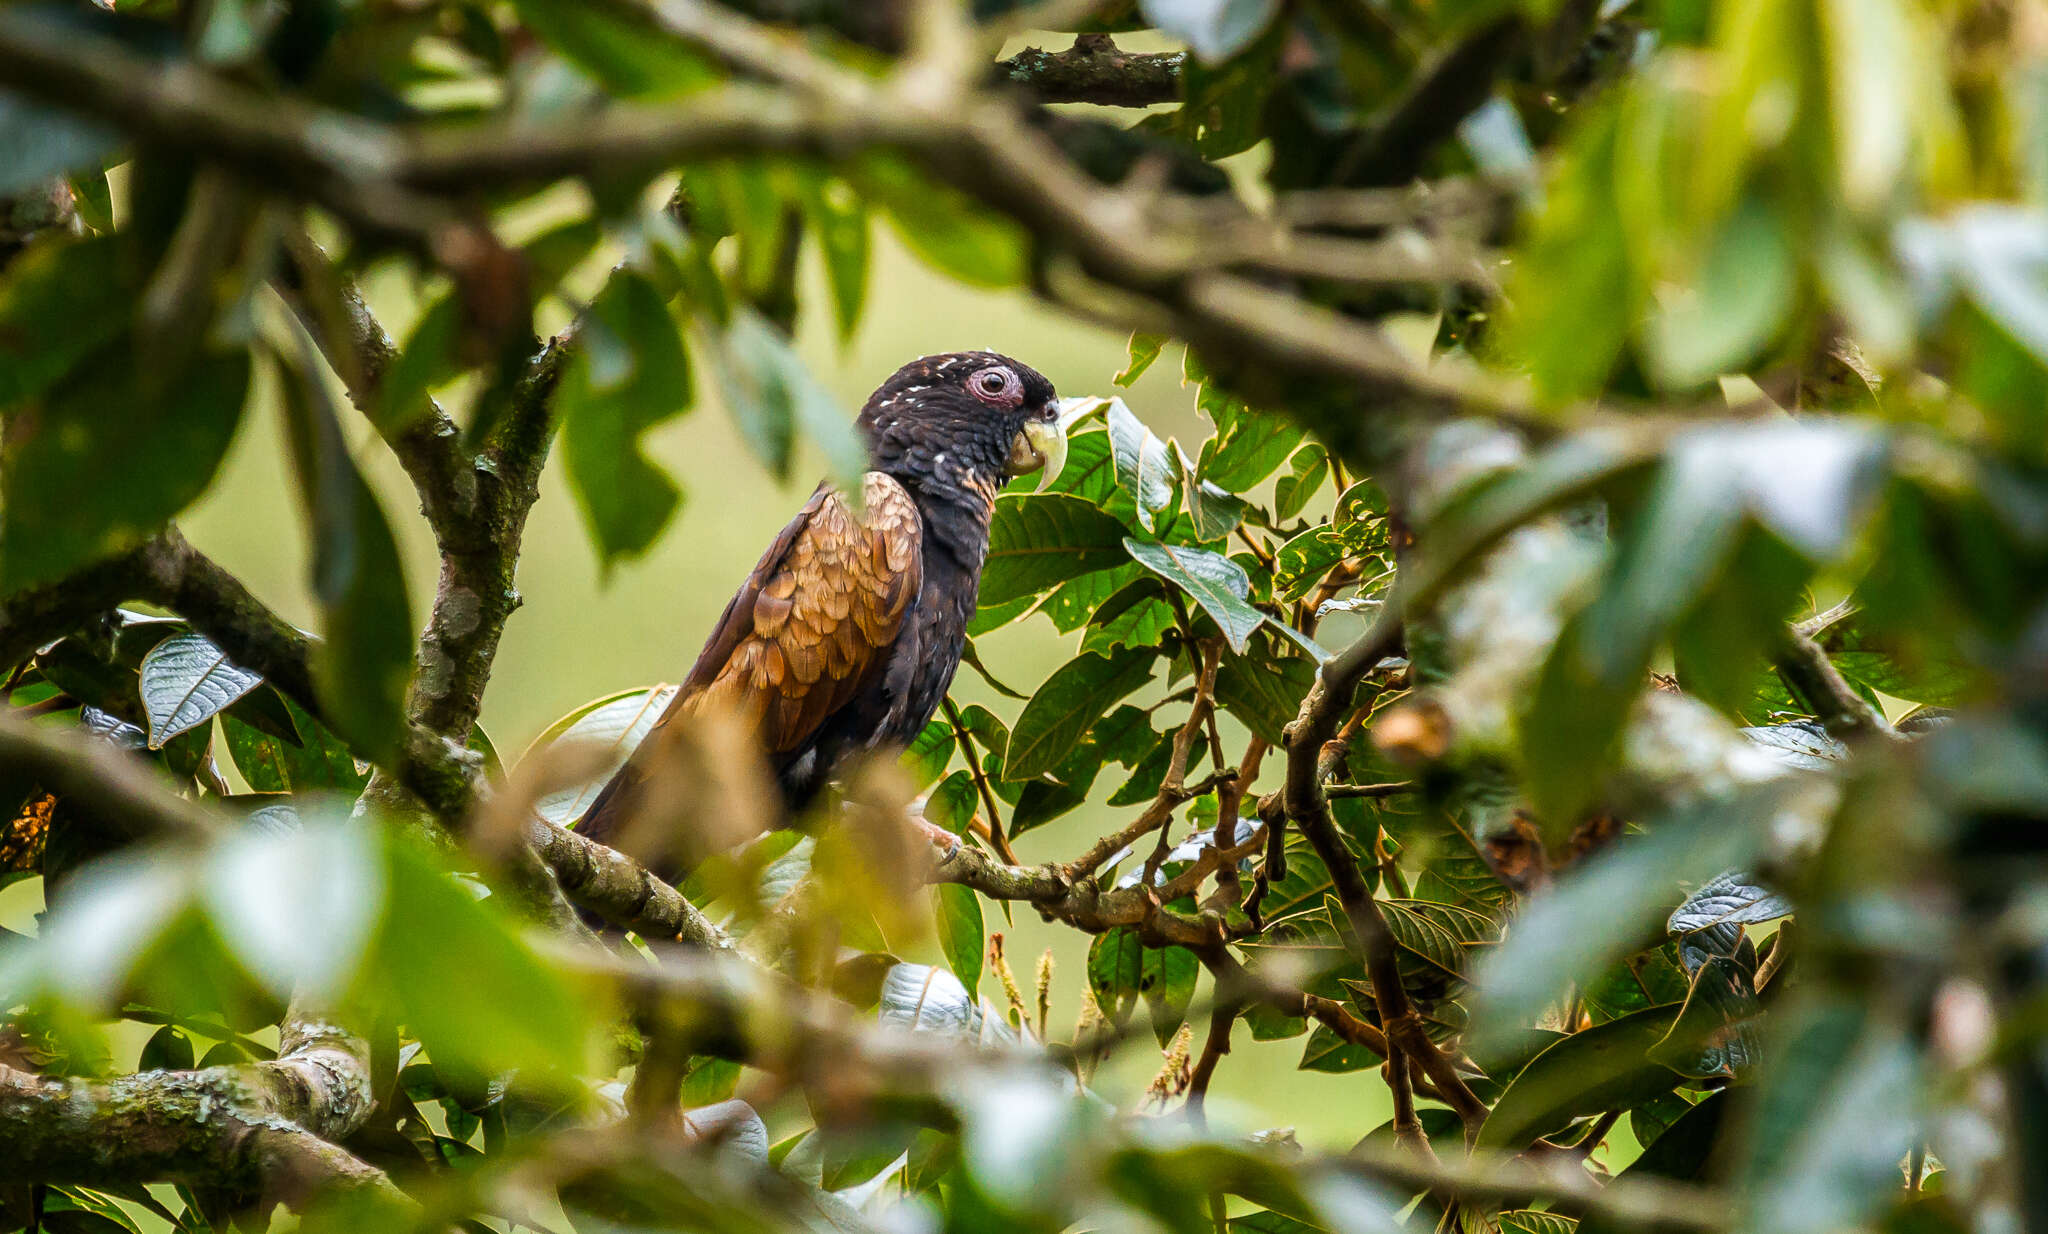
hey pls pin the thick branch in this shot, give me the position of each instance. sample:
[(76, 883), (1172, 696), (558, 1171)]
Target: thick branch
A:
[(1096, 70), (1816, 682), (619, 889), (115, 785), (262, 1127)]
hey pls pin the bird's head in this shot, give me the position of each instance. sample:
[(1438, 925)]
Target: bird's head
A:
[(966, 419)]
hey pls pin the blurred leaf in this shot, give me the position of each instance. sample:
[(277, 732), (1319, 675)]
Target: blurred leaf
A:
[(1215, 29), (1742, 295), (942, 226), (428, 359), (771, 392), (143, 453), (1536, 1221), (1215, 582), (1871, 67), (1593, 1070), (616, 722), (60, 302), (632, 59), (958, 913), (1037, 542), (464, 982), (627, 374), (297, 907), (839, 218), (1070, 702), (38, 142), (364, 664), (185, 682)]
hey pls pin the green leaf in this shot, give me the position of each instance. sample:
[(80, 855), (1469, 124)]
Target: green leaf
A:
[(1536, 1221), (168, 1049), (839, 218), (1742, 295), (428, 360), (957, 911), (1122, 970), (1144, 349), (941, 225), (1307, 471), (364, 664), (1168, 985), (1597, 1069), (185, 681), (1216, 582), (1142, 465), (632, 58), (1070, 702), (929, 752), (1248, 448), (60, 303), (1326, 1051), (627, 374), (1264, 694), (106, 458), (1040, 541), (318, 760), (771, 394), (467, 984)]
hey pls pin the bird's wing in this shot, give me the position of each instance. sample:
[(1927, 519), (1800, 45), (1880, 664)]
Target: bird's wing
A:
[(811, 625)]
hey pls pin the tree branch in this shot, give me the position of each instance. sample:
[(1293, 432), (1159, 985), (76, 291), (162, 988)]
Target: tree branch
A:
[(115, 785), (1096, 70), (266, 1127), (1815, 681), (614, 886)]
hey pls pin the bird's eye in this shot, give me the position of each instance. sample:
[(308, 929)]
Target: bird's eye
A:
[(998, 386)]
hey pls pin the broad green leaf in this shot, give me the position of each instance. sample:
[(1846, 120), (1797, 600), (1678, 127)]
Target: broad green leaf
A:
[(1306, 473), (1743, 294), (1070, 702), (1247, 449), (271, 764), (957, 911), (168, 1049), (1168, 984), (59, 302), (627, 374), (1264, 694), (929, 752), (1596, 1069), (1536, 1221), (104, 459), (1214, 581), (1326, 1051), (1122, 971), (185, 681), (364, 663), (1040, 541)]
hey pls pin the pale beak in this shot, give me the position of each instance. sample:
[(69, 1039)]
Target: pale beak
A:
[(1042, 444)]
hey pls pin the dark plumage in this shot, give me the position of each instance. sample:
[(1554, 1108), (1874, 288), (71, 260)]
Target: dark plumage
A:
[(846, 636)]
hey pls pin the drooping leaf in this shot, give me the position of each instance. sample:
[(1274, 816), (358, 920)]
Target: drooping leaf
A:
[(363, 665), (957, 910), (185, 681), (1593, 1070), (772, 394), (627, 374), (1142, 465)]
